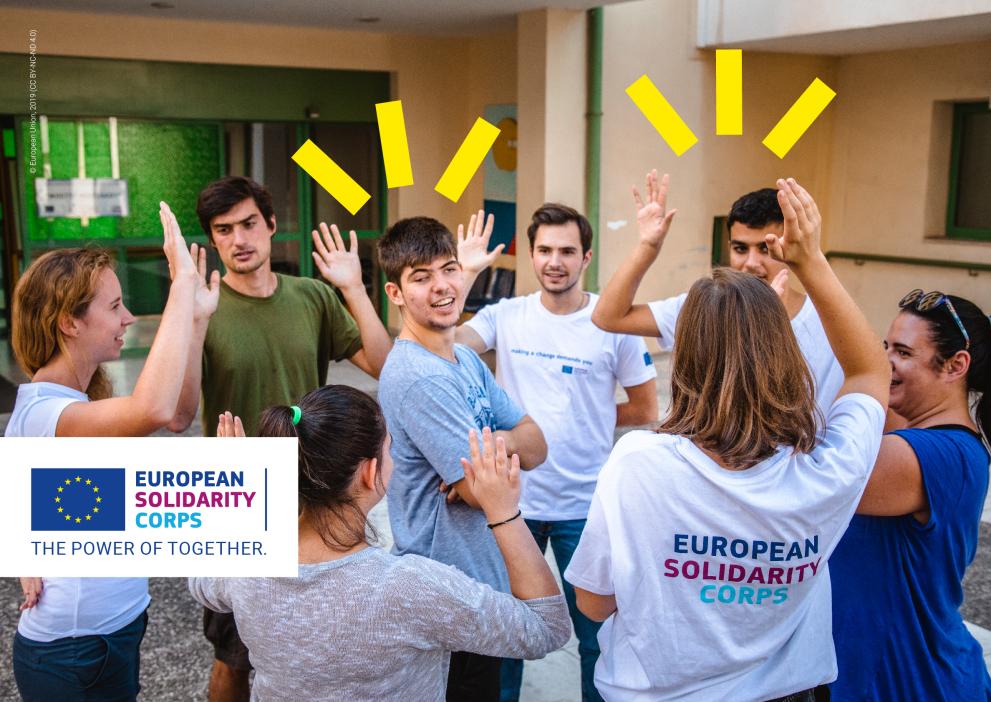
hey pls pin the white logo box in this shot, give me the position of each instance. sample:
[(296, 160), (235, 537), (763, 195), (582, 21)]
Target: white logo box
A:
[(233, 538)]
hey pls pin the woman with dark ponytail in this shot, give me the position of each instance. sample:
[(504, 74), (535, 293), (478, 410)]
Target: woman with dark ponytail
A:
[(362, 624), (897, 573)]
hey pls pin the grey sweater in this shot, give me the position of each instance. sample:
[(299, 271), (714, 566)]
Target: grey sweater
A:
[(374, 626)]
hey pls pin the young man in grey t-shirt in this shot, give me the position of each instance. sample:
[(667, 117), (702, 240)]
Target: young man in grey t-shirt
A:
[(432, 393)]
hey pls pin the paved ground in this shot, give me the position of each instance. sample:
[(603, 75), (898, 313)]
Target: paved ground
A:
[(176, 659)]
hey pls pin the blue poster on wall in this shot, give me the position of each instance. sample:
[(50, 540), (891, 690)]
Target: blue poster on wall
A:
[(500, 177)]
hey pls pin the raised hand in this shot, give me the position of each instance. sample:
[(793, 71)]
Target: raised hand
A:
[(653, 217), (229, 426), (339, 266), (493, 477), (800, 239), (207, 293), (31, 587), (180, 261), (473, 244)]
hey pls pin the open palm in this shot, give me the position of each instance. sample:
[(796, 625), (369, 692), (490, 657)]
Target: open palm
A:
[(473, 244), (653, 217), (338, 265), (207, 292), (178, 256)]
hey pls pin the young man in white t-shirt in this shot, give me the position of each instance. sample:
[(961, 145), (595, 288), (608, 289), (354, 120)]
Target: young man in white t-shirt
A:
[(752, 217), (562, 370)]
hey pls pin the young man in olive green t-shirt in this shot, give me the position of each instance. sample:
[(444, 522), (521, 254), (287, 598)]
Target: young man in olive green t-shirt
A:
[(270, 343), (264, 351)]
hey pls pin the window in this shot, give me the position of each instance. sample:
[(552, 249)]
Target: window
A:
[(720, 241), (968, 213)]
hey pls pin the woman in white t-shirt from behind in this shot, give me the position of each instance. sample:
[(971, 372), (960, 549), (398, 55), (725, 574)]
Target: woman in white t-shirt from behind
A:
[(707, 542), (78, 638)]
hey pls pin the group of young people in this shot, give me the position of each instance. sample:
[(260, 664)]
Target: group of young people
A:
[(807, 486)]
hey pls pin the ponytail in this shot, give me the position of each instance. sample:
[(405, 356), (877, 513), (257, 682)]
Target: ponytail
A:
[(338, 427), (277, 422), (979, 377)]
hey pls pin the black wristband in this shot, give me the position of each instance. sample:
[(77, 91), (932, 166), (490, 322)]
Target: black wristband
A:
[(515, 516)]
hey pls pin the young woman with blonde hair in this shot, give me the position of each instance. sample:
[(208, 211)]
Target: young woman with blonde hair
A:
[(78, 638), (706, 545)]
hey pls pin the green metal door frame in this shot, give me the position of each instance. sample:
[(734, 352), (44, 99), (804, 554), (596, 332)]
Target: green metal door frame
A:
[(306, 200), (127, 88), (94, 88)]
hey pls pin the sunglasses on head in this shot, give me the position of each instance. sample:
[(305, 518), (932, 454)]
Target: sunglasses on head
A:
[(923, 302)]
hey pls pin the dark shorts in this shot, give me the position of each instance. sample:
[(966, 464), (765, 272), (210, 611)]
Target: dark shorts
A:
[(220, 629), (81, 669), (818, 694), (473, 678)]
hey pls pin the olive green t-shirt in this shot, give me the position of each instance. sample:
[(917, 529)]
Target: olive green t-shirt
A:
[(263, 351)]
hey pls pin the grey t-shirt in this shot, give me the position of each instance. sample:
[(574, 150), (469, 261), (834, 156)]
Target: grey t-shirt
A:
[(430, 404), (373, 626)]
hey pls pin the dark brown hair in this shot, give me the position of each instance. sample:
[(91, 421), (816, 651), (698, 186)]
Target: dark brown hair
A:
[(412, 242), (339, 427), (59, 283), (556, 213), (740, 386), (756, 209), (221, 195)]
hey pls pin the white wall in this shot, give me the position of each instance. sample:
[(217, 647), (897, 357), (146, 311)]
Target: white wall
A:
[(732, 22)]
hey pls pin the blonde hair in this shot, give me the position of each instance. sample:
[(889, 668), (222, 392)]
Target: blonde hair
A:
[(59, 283), (740, 386)]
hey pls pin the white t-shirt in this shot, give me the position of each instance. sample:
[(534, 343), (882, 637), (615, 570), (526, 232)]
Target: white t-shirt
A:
[(70, 606), (720, 576), (562, 370), (811, 337)]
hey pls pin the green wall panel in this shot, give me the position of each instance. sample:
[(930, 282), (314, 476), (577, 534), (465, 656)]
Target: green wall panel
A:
[(63, 147), (160, 161), (166, 161), (86, 87)]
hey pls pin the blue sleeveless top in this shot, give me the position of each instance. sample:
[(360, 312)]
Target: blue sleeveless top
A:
[(897, 584)]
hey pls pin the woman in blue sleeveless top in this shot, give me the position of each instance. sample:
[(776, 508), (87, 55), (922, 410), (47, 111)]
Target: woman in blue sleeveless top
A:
[(897, 573)]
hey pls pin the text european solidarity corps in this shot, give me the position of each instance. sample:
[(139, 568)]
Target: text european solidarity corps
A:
[(149, 507)]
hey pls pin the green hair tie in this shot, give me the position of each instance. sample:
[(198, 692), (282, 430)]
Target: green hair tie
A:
[(297, 414)]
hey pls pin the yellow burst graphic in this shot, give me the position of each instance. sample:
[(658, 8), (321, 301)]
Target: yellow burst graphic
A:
[(729, 108), (396, 158)]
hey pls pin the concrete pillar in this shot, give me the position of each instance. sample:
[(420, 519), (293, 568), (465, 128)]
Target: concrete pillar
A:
[(551, 88)]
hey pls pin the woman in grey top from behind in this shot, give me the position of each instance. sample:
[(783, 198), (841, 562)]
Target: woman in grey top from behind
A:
[(362, 624)]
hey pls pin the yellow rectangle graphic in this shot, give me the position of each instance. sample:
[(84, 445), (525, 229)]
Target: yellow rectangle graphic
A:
[(467, 160), (331, 177), (395, 147), (729, 91), (799, 117), (659, 112)]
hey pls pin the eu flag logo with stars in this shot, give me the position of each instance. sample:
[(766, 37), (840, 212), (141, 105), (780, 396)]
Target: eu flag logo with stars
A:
[(72, 499)]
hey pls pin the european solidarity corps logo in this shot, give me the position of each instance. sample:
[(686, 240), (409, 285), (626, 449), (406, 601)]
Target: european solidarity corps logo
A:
[(72, 499)]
